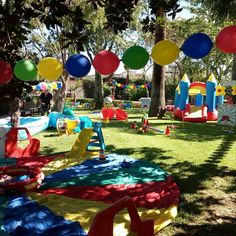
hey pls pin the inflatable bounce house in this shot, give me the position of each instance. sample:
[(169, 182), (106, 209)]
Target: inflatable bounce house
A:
[(206, 101)]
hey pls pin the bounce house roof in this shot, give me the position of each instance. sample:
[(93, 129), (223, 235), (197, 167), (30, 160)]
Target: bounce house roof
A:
[(197, 88)]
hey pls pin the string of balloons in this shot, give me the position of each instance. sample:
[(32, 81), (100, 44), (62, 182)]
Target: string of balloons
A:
[(49, 86), (131, 86), (105, 62)]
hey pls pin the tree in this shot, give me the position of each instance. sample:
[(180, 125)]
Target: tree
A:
[(16, 24), (119, 14), (108, 31), (101, 38), (68, 18), (222, 10), (64, 19), (14, 27), (156, 23)]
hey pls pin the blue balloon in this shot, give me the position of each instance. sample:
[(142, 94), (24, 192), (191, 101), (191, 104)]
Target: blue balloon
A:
[(78, 65), (59, 85), (38, 87), (197, 45)]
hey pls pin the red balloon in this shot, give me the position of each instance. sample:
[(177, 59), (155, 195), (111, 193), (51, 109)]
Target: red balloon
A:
[(226, 39), (106, 62), (6, 72)]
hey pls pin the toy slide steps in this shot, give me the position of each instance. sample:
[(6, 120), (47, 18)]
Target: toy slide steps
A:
[(96, 142), (81, 143)]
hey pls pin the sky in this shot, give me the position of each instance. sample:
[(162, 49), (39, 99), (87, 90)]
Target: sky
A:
[(185, 13)]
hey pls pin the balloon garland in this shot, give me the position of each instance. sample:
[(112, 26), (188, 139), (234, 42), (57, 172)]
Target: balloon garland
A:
[(131, 86), (105, 62), (47, 86)]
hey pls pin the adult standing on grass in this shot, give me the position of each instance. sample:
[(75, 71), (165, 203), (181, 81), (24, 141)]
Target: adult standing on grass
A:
[(45, 102)]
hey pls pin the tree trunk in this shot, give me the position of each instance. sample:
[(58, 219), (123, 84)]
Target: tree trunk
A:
[(158, 75), (15, 112), (98, 91), (157, 91), (234, 68), (59, 96)]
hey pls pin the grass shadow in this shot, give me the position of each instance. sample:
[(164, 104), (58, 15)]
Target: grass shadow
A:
[(226, 229)]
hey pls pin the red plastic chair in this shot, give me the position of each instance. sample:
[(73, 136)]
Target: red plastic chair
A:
[(13, 151), (103, 221), (107, 113), (121, 115)]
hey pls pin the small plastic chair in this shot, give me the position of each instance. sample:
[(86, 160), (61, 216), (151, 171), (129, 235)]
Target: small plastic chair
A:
[(14, 151), (121, 115)]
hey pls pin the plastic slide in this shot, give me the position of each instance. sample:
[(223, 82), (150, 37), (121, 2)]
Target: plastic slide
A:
[(158, 130), (196, 114), (81, 143)]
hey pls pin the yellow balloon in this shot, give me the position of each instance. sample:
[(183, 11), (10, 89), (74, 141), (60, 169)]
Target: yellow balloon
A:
[(165, 52), (54, 85), (50, 68)]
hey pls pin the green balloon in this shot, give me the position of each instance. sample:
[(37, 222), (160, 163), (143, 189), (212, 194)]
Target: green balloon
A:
[(26, 70), (135, 57)]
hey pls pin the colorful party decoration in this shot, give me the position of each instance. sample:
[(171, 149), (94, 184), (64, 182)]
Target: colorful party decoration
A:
[(50, 68), (226, 39), (220, 90), (131, 86), (54, 85), (135, 57), (106, 62), (43, 86), (25, 70), (165, 52), (233, 90), (49, 86), (78, 65), (59, 85), (197, 45), (71, 196), (6, 72), (37, 87)]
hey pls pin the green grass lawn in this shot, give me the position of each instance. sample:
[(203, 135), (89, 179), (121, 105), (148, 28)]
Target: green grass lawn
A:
[(201, 158)]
